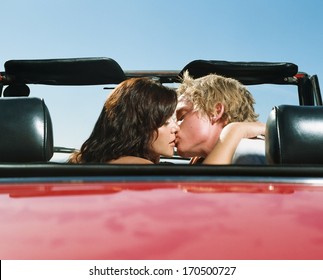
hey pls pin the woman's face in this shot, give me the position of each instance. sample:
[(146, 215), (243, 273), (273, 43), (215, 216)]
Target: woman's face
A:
[(165, 142)]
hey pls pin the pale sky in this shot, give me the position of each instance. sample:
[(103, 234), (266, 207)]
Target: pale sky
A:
[(157, 35)]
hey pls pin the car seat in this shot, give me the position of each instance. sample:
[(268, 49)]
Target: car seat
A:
[(26, 130), (294, 135)]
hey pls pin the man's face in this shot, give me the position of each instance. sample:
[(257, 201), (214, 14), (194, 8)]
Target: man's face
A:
[(196, 134)]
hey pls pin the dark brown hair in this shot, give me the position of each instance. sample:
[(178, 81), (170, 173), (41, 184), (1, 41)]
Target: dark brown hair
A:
[(132, 113)]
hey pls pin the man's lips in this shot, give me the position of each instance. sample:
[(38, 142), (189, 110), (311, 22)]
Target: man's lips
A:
[(176, 141)]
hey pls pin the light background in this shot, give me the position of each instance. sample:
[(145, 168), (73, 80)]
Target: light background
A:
[(157, 35)]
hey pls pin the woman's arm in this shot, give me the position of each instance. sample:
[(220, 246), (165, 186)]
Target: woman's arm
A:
[(229, 139)]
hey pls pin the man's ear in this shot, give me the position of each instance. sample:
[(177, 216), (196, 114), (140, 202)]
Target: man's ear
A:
[(217, 113)]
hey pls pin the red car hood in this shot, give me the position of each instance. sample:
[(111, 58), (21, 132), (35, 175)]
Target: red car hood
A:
[(161, 220)]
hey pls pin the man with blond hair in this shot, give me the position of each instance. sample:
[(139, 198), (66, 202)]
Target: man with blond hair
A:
[(212, 110)]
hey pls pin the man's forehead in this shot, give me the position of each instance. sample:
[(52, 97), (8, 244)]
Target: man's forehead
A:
[(183, 103)]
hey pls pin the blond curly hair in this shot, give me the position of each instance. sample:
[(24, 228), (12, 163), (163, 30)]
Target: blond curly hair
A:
[(204, 93)]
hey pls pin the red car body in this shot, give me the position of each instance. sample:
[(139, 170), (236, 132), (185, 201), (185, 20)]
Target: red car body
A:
[(162, 220)]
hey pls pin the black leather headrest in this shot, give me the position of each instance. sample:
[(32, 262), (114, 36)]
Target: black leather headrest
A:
[(294, 135), (26, 133)]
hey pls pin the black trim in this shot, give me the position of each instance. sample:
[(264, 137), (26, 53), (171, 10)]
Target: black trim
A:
[(87, 171), (316, 89)]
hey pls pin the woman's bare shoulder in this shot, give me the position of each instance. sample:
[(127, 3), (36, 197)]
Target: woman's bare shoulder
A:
[(130, 160)]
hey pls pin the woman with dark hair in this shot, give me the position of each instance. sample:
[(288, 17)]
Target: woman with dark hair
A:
[(135, 126)]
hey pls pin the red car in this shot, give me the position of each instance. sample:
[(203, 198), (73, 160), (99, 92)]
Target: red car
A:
[(55, 210)]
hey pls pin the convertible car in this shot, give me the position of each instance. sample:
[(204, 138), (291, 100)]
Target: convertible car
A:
[(50, 209)]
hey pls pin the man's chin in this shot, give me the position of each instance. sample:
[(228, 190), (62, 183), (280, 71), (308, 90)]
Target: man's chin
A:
[(183, 153)]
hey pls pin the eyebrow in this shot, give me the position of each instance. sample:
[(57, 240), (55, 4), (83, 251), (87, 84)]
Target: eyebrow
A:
[(184, 107), (182, 111)]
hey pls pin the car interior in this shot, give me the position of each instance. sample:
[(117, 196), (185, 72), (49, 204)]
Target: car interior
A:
[(293, 133)]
